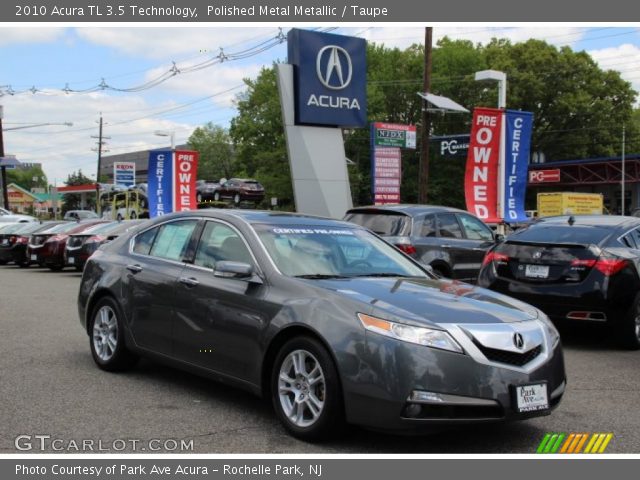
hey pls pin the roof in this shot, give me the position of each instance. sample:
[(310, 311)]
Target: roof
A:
[(15, 186), (45, 197), (591, 220), (87, 188), (406, 209)]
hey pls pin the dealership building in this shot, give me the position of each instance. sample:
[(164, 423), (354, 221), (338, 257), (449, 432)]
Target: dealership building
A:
[(140, 158), (594, 175)]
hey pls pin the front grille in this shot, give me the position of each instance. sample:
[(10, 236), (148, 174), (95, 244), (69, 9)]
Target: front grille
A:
[(510, 358)]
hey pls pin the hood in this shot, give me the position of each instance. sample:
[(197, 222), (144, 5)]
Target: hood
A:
[(430, 301)]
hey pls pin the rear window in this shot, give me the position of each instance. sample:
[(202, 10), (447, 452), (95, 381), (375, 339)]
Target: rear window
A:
[(389, 224), (547, 233)]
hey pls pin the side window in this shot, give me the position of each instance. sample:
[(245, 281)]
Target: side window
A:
[(448, 226), (429, 226), (628, 241), (142, 243), (475, 229), (220, 242), (172, 240), (635, 234)]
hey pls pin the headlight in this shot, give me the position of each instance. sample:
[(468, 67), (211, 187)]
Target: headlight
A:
[(550, 328), (428, 337)]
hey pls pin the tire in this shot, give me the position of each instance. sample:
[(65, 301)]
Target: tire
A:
[(106, 337), (318, 406), (440, 271), (199, 198), (3, 262), (628, 330), (236, 198), (119, 218), (133, 216), (216, 197)]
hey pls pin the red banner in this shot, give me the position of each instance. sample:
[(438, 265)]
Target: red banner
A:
[(481, 176), (185, 170)]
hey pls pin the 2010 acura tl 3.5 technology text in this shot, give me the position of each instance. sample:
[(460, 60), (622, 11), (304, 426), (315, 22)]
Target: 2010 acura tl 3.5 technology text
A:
[(325, 318)]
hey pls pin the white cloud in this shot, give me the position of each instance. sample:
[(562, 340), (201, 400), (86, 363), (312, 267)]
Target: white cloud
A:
[(171, 42), (62, 150), (623, 58), (403, 37), (21, 35)]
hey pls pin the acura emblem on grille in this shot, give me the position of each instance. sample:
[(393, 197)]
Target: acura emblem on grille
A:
[(518, 341), (537, 255)]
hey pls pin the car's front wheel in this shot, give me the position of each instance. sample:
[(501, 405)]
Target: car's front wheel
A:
[(107, 337), (305, 390)]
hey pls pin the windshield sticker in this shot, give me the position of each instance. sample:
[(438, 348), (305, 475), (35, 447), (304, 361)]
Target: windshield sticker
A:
[(310, 231)]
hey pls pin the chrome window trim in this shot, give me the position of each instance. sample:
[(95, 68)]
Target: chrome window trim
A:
[(619, 239)]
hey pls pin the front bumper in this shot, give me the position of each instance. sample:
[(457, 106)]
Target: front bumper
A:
[(379, 383)]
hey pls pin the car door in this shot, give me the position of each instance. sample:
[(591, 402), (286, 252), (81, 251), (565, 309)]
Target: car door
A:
[(478, 238), (219, 321), (149, 286), (427, 243), (451, 241)]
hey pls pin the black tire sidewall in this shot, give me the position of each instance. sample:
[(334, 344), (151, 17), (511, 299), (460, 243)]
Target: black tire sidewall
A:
[(331, 419), (625, 331)]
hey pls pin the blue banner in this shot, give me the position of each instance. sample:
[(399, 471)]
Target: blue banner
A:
[(516, 163), (160, 184), (330, 78)]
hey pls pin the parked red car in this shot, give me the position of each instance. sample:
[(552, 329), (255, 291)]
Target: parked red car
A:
[(47, 249)]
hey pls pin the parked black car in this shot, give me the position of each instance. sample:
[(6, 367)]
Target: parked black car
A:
[(240, 190), (80, 246), (325, 318), (453, 242), (582, 269), (14, 241), (205, 189)]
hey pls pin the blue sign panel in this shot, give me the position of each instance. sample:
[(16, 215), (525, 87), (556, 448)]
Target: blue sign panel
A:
[(160, 182), (516, 164), (330, 78)]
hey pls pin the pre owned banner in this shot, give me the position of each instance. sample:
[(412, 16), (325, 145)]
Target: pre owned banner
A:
[(160, 184), (481, 176), (517, 145), (184, 193)]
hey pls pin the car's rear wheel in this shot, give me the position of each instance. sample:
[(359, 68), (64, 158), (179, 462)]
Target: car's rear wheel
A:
[(133, 216), (106, 335), (628, 331), (305, 390)]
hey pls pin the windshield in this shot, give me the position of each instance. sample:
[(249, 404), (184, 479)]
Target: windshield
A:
[(381, 222), (320, 252)]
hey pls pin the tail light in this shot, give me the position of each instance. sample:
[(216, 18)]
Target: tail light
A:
[(495, 257), (22, 240), (407, 248), (608, 266)]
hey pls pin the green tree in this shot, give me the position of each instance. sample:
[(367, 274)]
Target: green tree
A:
[(258, 137), (25, 177), (216, 151)]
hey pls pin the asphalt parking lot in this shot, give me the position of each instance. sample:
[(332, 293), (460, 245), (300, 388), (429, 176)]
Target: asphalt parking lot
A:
[(50, 386)]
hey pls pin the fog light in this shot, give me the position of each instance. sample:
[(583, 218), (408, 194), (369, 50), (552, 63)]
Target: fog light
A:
[(412, 410), (425, 397)]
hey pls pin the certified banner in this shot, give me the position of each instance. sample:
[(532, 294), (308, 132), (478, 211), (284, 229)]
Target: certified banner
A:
[(517, 144), (160, 184), (185, 171), (481, 176)]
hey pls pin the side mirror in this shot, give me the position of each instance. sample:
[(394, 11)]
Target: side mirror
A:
[(499, 238), (225, 269)]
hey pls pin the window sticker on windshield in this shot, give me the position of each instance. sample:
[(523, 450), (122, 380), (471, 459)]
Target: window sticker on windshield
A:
[(310, 231)]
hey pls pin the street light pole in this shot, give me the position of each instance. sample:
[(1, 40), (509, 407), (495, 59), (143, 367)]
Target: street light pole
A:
[(623, 174), (3, 169)]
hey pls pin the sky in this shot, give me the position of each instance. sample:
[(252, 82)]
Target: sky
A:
[(176, 81)]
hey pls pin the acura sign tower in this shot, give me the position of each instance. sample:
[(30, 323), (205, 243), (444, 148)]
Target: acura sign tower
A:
[(322, 88)]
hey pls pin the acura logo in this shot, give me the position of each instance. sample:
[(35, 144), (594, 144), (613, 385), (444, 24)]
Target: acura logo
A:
[(334, 68), (537, 255), (518, 341)]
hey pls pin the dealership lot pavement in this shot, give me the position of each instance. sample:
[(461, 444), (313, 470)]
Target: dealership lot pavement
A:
[(50, 386)]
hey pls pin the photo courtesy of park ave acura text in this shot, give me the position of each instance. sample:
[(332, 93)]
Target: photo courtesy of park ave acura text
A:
[(347, 239)]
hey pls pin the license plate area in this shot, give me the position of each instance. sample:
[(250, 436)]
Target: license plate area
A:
[(72, 260), (531, 397), (536, 271), (34, 258)]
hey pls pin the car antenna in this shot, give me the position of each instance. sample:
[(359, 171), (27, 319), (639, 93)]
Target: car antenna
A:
[(571, 220)]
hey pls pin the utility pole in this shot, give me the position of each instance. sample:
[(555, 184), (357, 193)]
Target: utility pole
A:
[(5, 194), (426, 120), (623, 174), (99, 149)]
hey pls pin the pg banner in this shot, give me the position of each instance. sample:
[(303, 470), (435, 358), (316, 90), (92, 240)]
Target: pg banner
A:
[(496, 172), (172, 181)]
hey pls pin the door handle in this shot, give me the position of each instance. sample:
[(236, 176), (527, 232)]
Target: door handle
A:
[(189, 281), (134, 268)]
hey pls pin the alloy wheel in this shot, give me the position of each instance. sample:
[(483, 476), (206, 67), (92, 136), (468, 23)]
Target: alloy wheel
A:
[(105, 333)]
